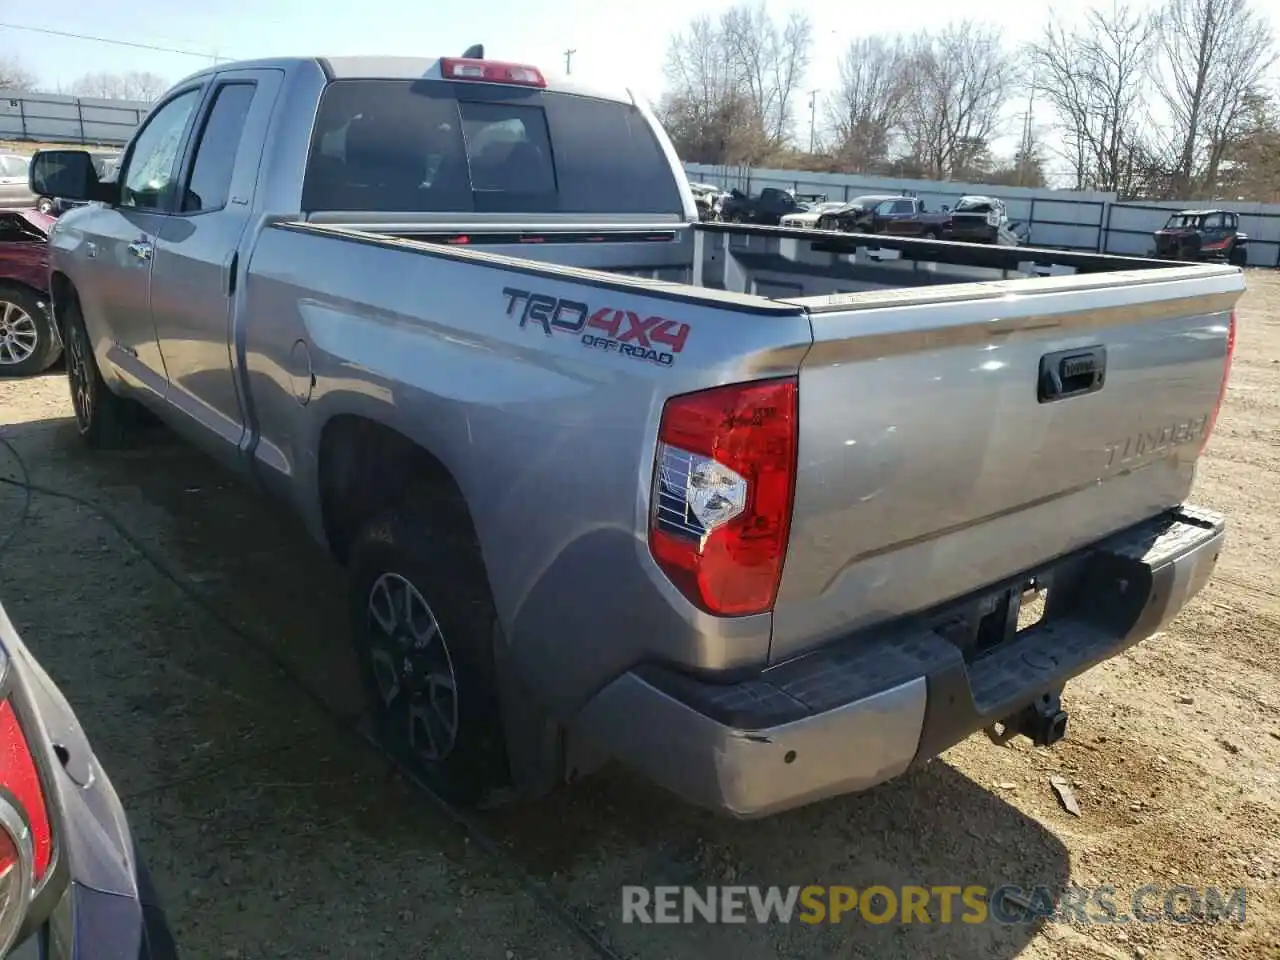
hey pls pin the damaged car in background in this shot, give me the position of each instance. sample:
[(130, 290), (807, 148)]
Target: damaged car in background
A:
[(29, 342), (1203, 235)]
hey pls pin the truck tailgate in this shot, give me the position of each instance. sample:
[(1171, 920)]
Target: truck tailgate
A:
[(954, 437)]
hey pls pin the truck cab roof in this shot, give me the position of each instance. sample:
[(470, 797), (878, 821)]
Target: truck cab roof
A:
[(399, 68)]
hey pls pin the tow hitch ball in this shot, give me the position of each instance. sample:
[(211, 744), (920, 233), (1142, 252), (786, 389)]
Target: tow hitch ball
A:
[(1043, 722)]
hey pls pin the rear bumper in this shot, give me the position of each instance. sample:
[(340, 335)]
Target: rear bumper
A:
[(868, 707)]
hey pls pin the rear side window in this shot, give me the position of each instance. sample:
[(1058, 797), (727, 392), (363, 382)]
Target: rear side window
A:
[(438, 146), (215, 161)]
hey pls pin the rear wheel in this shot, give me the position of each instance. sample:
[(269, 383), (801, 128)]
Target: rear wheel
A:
[(1238, 256), (423, 622), (104, 420), (930, 234), (27, 341)]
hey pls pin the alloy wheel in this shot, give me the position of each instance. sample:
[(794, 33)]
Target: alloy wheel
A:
[(412, 668), (19, 335), (80, 377)]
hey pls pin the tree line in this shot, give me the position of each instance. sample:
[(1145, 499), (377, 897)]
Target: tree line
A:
[(130, 85), (1170, 101)]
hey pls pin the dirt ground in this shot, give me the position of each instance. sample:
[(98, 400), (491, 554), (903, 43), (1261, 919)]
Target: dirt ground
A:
[(274, 833)]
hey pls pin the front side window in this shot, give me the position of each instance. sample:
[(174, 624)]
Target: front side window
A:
[(150, 176), (215, 159)]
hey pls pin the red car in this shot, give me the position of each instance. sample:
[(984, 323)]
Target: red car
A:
[(29, 342)]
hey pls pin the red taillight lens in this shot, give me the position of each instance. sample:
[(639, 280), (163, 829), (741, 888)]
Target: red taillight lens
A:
[(722, 492), (491, 71), (1226, 375), (18, 775)]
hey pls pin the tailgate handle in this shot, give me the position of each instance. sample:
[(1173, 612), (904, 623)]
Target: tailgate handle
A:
[(1071, 373)]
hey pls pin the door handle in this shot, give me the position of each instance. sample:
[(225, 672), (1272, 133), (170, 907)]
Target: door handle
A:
[(141, 249), (1070, 373)]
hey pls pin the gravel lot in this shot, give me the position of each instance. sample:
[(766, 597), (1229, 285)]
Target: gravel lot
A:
[(273, 832)]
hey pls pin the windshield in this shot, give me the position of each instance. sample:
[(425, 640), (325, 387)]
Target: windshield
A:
[(436, 146), (1182, 221), (13, 166)]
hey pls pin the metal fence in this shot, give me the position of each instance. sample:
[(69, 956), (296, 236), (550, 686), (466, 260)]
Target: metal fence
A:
[(52, 118), (1069, 219)]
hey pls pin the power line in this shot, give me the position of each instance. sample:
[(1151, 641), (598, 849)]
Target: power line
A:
[(121, 43)]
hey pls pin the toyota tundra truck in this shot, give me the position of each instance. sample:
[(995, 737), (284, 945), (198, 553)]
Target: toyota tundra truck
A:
[(768, 514)]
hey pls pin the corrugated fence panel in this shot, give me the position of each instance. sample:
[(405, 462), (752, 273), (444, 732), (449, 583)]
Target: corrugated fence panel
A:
[(53, 118)]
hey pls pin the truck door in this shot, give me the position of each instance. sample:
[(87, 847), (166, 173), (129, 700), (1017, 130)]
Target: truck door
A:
[(120, 243), (197, 259)]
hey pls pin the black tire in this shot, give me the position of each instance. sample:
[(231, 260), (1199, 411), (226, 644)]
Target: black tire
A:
[(1238, 256), (45, 205), (930, 234), (103, 420), (428, 544), (25, 331)]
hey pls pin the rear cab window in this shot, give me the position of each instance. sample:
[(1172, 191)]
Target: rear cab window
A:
[(438, 146)]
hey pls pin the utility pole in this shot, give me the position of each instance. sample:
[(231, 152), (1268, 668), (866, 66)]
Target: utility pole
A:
[(1025, 159), (568, 61), (813, 112)]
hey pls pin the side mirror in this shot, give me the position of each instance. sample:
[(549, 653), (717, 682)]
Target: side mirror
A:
[(67, 175)]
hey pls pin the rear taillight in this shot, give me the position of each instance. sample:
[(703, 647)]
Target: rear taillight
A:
[(724, 480), (491, 71), (26, 837), (1226, 375)]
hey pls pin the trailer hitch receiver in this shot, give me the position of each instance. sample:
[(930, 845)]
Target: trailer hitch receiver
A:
[(1043, 722)]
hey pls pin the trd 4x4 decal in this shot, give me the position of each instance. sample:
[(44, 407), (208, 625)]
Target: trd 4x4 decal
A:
[(655, 339)]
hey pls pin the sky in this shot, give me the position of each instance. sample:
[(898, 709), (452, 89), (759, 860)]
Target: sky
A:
[(621, 44)]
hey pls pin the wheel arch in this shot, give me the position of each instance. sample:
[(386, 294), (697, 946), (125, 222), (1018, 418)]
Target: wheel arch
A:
[(62, 291), (364, 466)]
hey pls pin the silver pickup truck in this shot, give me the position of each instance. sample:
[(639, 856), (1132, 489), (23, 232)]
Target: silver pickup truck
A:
[(768, 514)]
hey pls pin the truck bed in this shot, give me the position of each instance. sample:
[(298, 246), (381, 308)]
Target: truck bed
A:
[(928, 464)]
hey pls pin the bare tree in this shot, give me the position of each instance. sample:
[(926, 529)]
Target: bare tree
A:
[(1217, 54), (866, 109), (706, 112), (1095, 80), (958, 82), (768, 63), (792, 51), (1251, 164), (14, 76), (133, 85), (732, 84)]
